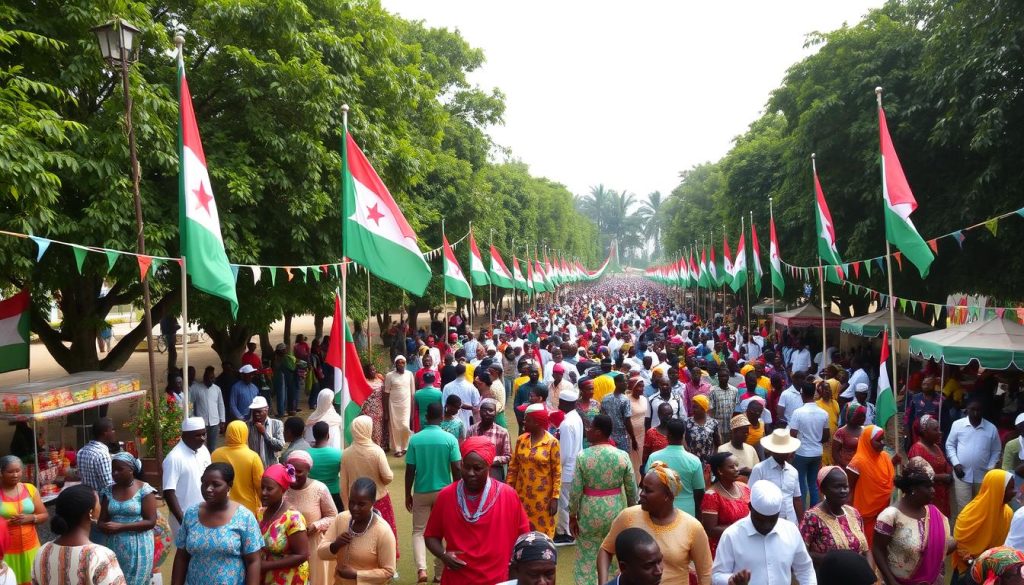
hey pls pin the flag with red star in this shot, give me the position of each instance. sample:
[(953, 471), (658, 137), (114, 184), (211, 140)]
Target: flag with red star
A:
[(374, 231), (202, 246)]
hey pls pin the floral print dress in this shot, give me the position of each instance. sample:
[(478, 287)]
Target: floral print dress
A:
[(134, 550), (535, 472), (275, 546)]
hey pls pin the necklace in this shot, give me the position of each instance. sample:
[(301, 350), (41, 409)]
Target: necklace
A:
[(730, 492), (486, 501), (268, 519), (352, 523)]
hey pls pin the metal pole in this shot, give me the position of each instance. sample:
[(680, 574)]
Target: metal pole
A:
[(490, 285), (140, 240), (771, 218), (444, 289), (184, 328), (746, 278), (821, 290), (369, 338), (344, 261), (888, 269)]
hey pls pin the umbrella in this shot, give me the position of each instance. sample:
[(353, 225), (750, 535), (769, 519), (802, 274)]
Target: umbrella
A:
[(872, 325), (995, 344), (807, 316)]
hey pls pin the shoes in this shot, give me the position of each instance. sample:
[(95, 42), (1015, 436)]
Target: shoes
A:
[(564, 540)]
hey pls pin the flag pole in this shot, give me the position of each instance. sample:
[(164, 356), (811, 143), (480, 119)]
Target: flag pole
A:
[(746, 278), (490, 284), (444, 289), (514, 291), (184, 334), (369, 338), (821, 289), (344, 261), (888, 269), (771, 218)]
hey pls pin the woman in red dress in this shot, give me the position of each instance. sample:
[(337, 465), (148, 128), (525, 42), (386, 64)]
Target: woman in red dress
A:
[(844, 442), (656, 438), (929, 448), (727, 501)]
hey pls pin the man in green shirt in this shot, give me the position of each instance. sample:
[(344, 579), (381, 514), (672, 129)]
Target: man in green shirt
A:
[(433, 462), (687, 465), (425, 396)]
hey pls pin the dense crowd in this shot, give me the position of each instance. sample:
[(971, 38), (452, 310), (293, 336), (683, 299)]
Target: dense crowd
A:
[(665, 442)]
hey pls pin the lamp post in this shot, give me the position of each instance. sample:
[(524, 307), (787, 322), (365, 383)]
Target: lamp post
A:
[(117, 42)]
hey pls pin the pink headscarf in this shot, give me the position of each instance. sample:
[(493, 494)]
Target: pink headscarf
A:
[(284, 475)]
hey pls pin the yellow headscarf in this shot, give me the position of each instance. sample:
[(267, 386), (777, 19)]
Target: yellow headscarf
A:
[(667, 476), (603, 386), (985, 521), (246, 463), (703, 401)]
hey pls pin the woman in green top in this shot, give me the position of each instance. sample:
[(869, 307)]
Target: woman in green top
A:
[(425, 396), (451, 422), (326, 462)]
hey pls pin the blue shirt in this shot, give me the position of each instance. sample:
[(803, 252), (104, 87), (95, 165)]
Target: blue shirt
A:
[(216, 553), (241, 397)]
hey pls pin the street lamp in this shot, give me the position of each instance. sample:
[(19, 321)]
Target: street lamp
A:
[(118, 47)]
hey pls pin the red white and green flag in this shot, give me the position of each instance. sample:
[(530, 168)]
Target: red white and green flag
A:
[(538, 277), (886, 401), (702, 279), (549, 274), (827, 250), (739, 266), (729, 273), (774, 259), (198, 222), (899, 204), (477, 272), (758, 271), (517, 276), (500, 275), (374, 231), (351, 389), (14, 332), (713, 277), (454, 280)]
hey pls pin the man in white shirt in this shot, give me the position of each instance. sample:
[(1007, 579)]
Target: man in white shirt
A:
[(973, 449), (183, 469), (763, 549), (207, 402), (570, 440), (779, 447), (790, 399), (466, 391), (859, 376), (810, 425), (664, 396), (800, 359)]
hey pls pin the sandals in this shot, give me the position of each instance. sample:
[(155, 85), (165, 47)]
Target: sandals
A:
[(421, 577)]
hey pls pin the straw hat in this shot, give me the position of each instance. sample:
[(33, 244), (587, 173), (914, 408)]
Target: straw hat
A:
[(781, 442)]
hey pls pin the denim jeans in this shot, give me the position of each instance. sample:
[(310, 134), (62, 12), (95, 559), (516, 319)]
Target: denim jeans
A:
[(807, 468)]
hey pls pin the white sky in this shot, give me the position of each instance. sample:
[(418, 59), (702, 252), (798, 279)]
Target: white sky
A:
[(630, 94)]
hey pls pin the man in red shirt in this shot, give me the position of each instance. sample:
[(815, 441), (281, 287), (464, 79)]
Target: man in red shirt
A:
[(250, 357)]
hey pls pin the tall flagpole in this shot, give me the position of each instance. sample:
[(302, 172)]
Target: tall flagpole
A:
[(888, 269), (746, 277), (444, 289), (821, 290), (514, 291), (369, 338), (490, 284), (771, 218), (180, 41), (344, 261)]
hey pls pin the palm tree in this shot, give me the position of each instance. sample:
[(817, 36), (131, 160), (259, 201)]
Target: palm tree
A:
[(650, 213), (595, 205)]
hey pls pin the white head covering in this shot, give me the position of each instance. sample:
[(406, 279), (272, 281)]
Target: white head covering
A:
[(766, 498), (399, 357), (193, 423), (258, 402), (246, 369), (569, 394), (1019, 419), (324, 409), (861, 387)]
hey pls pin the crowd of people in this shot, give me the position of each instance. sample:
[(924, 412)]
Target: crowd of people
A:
[(665, 445)]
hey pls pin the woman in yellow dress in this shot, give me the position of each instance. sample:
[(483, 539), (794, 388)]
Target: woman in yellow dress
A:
[(827, 392), (535, 471)]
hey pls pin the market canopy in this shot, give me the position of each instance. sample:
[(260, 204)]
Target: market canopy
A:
[(765, 308), (807, 316), (872, 325), (995, 344)]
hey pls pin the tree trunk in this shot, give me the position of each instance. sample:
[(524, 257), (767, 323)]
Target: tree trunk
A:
[(266, 347), (230, 343), (318, 325), (288, 329)]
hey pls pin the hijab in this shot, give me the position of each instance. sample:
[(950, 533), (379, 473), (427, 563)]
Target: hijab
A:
[(246, 463), (875, 475), (364, 458), (324, 409), (985, 521)]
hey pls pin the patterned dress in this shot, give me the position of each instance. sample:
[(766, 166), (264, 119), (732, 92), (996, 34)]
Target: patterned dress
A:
[(24, 541), (617, 407), (587, 413), (847, 442), (535, 472), (275, 547), (823, 532), (940, 465), (728, 509), (91, 564), (702, 439), (908, 542), (133, 549), (216, 553), (599, 470), (373, 407), (455, 427)]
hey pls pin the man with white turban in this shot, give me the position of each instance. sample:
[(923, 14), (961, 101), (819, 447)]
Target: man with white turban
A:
[(399, 386), (763, 548)]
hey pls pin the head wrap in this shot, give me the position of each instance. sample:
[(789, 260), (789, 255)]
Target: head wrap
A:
[(556, 418), (766, 498), (861, 387), (362, 431), (482, 446), (284, 475), (558, 369), (984, 520), (846, 567), (539, 413), (569, 394), (1016, 421), (398, 357), (491, 401), (298, 455), (875, 483), (193, 423), (324, 410), (534, 546), (666, 476), (703, 401), (927, 420), (636, 382), (129, 459), (991, 564), (824, 471), (740, 420)]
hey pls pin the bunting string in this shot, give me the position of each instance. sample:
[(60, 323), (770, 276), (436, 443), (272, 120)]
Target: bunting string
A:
[(959, 308)]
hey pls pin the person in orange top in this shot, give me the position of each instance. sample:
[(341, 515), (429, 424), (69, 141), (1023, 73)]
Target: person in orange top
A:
[(872, 478)]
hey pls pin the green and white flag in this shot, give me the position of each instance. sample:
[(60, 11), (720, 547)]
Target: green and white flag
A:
[(899, 204), (454, 280), (14, 332), (827, 249), (886, 401), (517, 277), (477, 272), (500, 276), (374, 231), (739, 265), (199, 224)]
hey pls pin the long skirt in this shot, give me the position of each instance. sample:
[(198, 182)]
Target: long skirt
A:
[(387, 512)]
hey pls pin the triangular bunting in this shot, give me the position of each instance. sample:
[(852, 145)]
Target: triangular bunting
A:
[(157, 263), (257, 272), (111, 259), (144, 264), (1000, 312), (234, 272), (288, 271), (856, 269), (913, 306), (934, 245), (881, 265), (316, 274), (899, 259), (273, 275), (867, 267), (959, 236), (937, 308), (993, 226), (43, 244), (1020, 212), (79, 257)]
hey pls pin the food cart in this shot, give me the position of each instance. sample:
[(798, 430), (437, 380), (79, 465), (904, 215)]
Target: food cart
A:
[(46, 400)]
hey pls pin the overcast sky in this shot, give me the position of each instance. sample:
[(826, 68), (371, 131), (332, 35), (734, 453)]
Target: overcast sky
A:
[(630, 94)]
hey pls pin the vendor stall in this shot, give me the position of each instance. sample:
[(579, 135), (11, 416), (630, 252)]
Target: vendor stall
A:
[(996, 344), (807, 316), (38, 403), (872, 325)]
